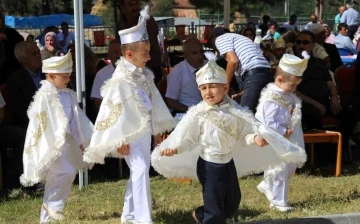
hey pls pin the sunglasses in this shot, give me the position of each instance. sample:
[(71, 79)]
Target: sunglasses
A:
[(304, 42)]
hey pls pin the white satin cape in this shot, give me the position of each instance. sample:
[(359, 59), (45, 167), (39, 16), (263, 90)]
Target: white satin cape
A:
[(46, 134), (123, 117), (248, 159)]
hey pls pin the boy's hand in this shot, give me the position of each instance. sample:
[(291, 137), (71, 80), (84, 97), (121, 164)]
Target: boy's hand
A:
[(260, 141), (288, 132), (124, 150), (82, 148), (157, 140), (168, 152)]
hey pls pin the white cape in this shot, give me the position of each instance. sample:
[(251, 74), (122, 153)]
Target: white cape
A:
[(248, 159), (46, 135), (123, 117)]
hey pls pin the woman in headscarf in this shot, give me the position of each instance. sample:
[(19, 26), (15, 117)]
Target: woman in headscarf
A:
[(50, 49), (8, 39)]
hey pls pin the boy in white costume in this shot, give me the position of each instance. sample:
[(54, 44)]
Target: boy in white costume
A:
[(217, 141), (57, 134), (131, 111), (280, 109)]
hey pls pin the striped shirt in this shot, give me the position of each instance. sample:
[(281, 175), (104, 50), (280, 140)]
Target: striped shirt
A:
[(248, 53)]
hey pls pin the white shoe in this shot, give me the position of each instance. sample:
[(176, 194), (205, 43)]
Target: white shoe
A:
[(263, 188), (127, 221), (282, 208), (54, 215)]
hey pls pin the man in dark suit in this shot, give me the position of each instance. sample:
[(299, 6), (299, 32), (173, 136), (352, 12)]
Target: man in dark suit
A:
[(22, 86), (24, 82)]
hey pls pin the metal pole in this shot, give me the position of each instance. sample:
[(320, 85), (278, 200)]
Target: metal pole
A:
[(226, 13), (116, 20), (82, 67), (78, 68)]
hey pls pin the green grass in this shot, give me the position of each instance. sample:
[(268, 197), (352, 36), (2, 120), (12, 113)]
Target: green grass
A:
[(173, 202)]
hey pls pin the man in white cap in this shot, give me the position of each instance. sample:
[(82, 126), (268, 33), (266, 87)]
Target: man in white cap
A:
[(216, 143), (131, 111), (280, 109), (323, 50), (57, 134)]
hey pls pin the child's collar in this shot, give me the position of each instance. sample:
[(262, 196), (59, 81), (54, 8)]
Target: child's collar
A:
[(224, 104)]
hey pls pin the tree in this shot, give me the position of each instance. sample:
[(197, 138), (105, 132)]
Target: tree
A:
[(163, 8)]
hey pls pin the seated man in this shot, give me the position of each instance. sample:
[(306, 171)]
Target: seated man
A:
[(24, 82), (342, 41), (114, 53), (331, 54), (182, 91), (11, 137), (319, 94)]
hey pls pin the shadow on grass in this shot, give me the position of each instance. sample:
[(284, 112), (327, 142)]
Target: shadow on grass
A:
[(100, 216)]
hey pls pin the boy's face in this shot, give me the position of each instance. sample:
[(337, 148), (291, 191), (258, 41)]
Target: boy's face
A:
[(60, 80), (288, 84), (213, 93), (140, 55)]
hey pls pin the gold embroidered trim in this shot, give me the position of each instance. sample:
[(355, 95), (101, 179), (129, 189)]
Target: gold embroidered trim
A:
[(115, 112), (141, 81), (42, 117), (221, 123), (280, 100)]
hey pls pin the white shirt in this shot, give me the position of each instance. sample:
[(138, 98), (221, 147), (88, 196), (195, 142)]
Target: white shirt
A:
[(211, 133), (101, 76), (2, 101), (70, 38), (275, 116), (182, 86), (288, 26)]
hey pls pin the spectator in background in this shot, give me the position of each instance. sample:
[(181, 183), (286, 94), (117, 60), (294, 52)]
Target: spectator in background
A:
[(338, 16), (342, 40), (51, 48), (65, 38), (8, 39), (264, 25), (328, 35), (265, 47), (249, 32), (114, 53), (129, 16), (291, 24), (182, 90), (92, 66), (27, 36), (272, 31), (313, 20), (351, 18), (278, 50), (25, 81), (41, 37)]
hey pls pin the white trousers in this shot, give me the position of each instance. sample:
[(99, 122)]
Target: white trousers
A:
[(279, 185), (57, 189), (137, 202)]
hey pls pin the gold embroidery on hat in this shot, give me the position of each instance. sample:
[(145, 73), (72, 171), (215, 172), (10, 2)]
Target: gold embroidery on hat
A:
[(115, 112)]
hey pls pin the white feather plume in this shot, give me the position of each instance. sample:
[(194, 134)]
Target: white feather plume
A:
[(305, 55), (144, 14), (210, 56)]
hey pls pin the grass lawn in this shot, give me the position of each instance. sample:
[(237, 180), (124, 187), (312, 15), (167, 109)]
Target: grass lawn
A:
[(173, 202)]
